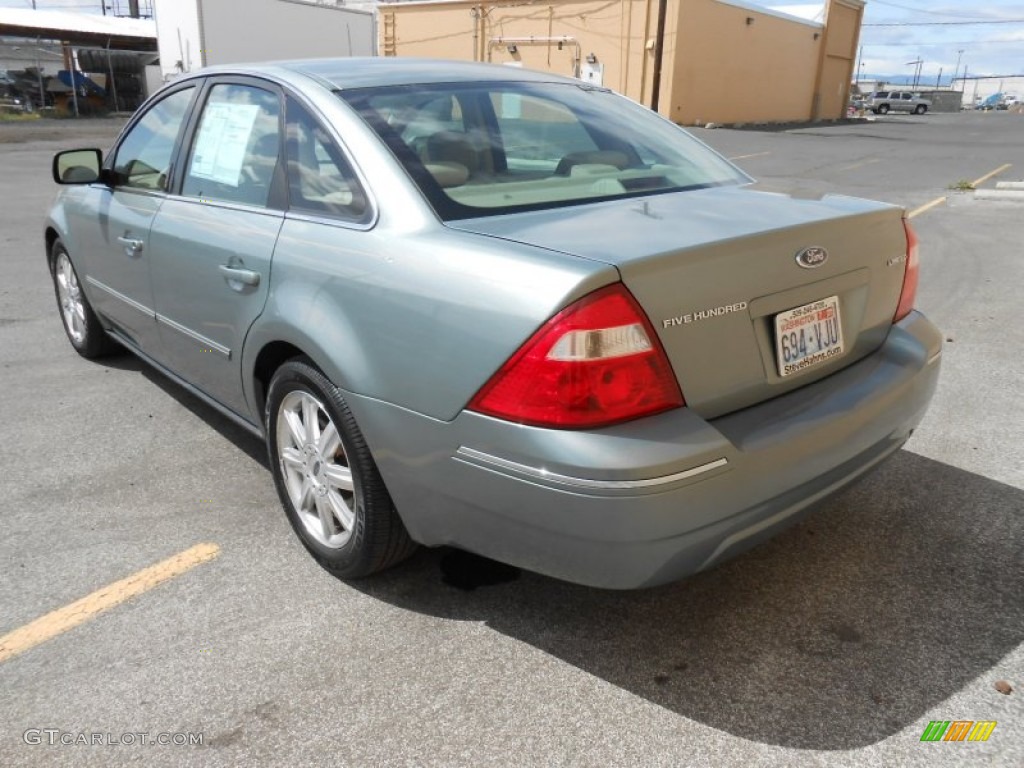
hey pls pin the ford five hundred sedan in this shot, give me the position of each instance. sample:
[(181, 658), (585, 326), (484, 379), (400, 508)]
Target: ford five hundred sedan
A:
[(499, 310)]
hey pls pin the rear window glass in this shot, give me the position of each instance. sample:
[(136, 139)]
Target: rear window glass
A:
[(478, 149)]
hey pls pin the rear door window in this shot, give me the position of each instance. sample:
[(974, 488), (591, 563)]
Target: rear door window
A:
[(237, 146)]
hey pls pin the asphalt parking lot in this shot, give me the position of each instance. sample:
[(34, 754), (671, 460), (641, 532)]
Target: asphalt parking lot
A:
[(900, 602)]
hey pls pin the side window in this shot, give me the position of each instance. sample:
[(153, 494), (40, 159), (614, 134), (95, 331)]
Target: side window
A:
[(539, 135), (236, 147), (144, 157), (908, 96), (320, 179)]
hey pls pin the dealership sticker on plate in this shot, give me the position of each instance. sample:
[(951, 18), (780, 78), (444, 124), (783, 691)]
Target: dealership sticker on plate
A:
[(808, 335)]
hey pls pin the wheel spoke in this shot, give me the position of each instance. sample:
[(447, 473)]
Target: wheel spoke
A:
[(341, 511), (339, 476), (295, 428), (323, 508), (329, 441), (306, 496), (310, 419), (293, 459)]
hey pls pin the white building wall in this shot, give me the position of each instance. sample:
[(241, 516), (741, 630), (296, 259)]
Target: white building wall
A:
[(177, 36), (193, 34), (268, 30), (983, 88), (196, 33)]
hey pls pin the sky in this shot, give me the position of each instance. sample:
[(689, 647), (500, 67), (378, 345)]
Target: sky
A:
[(935, 33)]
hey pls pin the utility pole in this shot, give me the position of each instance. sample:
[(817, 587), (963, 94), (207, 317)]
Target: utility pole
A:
[(959, 54), (659, 53), (938, 82), (918, 62)]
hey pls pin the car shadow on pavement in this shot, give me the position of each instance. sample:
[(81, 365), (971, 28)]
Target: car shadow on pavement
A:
[(252, 446), (888, 600)]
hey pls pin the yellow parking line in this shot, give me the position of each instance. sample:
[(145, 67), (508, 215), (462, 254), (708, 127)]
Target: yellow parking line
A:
[(940, 200), (996, 172), (70, 616), (926, 207), (859, 165), (747, 157)]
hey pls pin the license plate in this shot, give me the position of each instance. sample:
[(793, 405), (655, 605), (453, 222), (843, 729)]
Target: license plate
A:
[(808, 336)]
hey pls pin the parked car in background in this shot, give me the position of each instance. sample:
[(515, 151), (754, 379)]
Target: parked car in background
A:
[(999, 103), (883, 102), (501, 310), (14, 106)]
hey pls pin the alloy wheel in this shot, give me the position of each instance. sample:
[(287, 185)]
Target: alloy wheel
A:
[(316, 470), (72, 306)]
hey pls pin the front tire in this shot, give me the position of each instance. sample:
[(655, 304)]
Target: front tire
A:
[(326, 478), (920, 109), (81, 325), (883, 109)]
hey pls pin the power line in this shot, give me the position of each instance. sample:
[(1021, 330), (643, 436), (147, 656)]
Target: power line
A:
[(923, 10), (942, 23), (942, 44)]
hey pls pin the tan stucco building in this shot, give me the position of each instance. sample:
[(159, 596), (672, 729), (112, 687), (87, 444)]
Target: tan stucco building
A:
[(722, 61)]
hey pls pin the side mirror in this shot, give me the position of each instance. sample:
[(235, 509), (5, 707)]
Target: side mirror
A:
[(77, 166)]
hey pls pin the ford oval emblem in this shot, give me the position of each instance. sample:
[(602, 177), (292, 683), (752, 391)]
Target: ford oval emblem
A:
[(809, 258)]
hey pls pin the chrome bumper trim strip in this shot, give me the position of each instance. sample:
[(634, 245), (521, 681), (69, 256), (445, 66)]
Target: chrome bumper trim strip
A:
[(473, 456)]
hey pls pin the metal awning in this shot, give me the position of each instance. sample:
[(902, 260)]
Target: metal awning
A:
[(79, 28)]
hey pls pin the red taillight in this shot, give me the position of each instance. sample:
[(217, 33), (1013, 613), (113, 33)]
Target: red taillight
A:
[(909, 294), (595, 363)]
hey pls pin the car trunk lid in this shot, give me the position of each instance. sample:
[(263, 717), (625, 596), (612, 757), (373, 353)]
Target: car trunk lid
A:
[(717, 272)]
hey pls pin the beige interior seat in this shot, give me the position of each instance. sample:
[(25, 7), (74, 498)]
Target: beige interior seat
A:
[(596, 157), (453, 147)]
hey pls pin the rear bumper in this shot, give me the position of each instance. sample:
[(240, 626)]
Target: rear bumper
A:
[(656, 499)]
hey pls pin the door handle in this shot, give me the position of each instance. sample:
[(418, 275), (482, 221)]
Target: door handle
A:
[(132, 247), (239, 275)]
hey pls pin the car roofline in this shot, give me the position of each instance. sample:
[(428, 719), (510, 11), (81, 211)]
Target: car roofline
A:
[(374, 71)]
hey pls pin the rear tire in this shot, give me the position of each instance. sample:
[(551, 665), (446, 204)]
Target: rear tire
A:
[(327, 480), (83, 328)]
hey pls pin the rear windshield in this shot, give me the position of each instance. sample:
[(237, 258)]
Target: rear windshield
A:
[(484, 148)]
